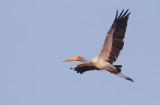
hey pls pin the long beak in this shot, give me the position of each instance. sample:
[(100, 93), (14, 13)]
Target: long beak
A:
[(73, 59)]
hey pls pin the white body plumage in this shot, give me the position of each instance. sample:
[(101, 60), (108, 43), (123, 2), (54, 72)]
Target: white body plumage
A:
[(102, 64)]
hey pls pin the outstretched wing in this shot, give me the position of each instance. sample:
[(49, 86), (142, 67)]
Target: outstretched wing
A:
[(114, 40), (81, 68)]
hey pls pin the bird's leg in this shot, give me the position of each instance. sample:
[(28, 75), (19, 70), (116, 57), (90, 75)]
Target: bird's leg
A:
[(71, 68), (125, 77)]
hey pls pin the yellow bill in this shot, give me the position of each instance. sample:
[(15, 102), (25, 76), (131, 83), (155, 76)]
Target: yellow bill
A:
[(73, 59)]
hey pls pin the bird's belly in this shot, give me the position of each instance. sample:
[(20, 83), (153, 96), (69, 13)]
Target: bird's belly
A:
[(102, 64), (106, 66)]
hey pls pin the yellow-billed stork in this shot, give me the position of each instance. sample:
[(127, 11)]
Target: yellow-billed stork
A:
[(110, 51)]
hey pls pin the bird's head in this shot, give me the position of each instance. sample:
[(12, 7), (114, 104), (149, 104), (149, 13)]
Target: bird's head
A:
[(78, 58)]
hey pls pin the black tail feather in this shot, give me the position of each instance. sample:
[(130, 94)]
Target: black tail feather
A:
[(118, 67)]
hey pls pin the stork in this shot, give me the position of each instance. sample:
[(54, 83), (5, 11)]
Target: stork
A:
[(110, 51)]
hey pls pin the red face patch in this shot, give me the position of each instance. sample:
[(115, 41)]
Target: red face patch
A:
[(78, 58)]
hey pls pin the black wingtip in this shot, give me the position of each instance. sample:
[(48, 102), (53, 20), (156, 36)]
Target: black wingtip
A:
[(120, 14), (128, 14), (125, 13), (116, 14)]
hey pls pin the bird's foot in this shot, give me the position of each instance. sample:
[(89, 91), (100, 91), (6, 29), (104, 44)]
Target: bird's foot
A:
[(71, 68), (127, 78)]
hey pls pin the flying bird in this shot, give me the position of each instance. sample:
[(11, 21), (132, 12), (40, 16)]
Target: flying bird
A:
[(110, 51)]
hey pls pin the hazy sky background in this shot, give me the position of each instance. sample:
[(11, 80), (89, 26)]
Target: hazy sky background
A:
[(37, 35)]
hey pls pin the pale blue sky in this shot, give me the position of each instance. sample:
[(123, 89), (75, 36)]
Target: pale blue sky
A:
[(37, 35)]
